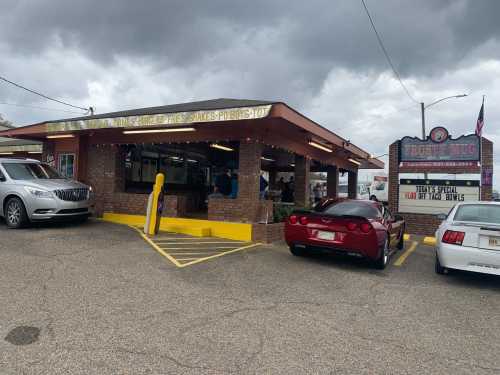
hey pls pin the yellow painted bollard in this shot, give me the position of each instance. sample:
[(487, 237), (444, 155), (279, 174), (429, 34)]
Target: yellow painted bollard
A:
[(155, 206)]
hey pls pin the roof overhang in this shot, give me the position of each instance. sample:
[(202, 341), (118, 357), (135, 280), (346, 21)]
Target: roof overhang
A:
[(318, 139)]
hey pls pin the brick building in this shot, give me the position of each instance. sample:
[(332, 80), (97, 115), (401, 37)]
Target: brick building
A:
[(194, 144)]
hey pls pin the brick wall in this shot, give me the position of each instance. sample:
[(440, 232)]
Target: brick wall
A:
[(421, 224), (393, 192), (106, 174), (487, 160), (227, 209), (268, 233)]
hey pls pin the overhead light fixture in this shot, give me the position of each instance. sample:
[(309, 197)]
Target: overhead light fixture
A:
[(6, 153), (168, 130), (267, 159), (320, 146), (221, 147), (34, 152), (354, 161), (192, 161), (60, 136), (292, 165)]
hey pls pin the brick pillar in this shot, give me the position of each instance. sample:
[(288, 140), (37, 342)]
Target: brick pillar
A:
[(393, 180), (104, 175), (249, 171), (352, 184), (332, 181), (487, 163), (302, 180)]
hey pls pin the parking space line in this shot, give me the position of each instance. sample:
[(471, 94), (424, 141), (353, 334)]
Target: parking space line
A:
[(205, 250), (399, 262), (196, 248), (157, 248), (195, 243), (199, 260)]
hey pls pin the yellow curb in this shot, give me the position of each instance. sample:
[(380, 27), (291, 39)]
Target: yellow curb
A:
[(430, 241)]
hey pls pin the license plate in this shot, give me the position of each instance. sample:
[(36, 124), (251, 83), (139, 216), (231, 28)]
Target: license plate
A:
[(322, 235), (494, 241)]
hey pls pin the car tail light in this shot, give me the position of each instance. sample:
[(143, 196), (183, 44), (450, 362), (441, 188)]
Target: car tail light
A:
[(303, 220), (453, 237), (351, 226), (293, 219), (365, 227)]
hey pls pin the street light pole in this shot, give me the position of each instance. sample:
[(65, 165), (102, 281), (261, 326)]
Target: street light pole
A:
[(423, 107)]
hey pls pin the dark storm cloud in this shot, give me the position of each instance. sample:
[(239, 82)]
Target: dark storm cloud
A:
[(423, 37)]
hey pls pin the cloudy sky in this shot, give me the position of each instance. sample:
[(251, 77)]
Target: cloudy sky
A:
[(321, 57)]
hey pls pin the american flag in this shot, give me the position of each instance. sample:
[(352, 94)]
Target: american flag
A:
[(480, 121)]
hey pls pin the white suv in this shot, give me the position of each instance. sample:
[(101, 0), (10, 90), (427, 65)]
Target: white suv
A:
[(31, 191)]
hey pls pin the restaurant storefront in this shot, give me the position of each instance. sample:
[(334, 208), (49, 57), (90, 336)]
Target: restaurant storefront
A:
[(215, 155)]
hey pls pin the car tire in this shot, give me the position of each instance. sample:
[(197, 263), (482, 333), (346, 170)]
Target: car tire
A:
[(440, 270), (15, 213), (296, 251), (383, 259), (401, 243)]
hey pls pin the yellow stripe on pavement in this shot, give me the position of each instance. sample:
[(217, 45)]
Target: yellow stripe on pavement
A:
[(399, 262), (157, 248), (199, 260)]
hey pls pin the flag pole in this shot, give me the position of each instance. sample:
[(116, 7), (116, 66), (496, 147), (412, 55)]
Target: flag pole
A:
[(481, 156)]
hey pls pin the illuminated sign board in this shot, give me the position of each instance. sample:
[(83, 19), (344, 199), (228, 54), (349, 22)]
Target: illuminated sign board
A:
[(163, 119), (435, 196), (440, 147)]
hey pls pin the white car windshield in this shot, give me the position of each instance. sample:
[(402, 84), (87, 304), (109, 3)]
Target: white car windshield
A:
[(478, 213), (31, 171)]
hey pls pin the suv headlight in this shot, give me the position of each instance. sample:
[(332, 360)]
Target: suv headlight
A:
[(39, 193)]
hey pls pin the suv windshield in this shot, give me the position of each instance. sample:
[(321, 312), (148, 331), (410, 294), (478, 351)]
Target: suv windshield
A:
[(30, 171), (352, 208)]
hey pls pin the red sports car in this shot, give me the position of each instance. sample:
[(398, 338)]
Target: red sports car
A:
[(354, 227)]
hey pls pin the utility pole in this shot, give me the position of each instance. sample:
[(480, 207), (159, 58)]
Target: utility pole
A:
[(422, 108)]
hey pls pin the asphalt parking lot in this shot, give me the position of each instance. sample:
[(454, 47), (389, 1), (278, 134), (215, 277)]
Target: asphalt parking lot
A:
[(97, 299)]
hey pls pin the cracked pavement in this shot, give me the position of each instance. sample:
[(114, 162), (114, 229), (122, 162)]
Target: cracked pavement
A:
[(106, 303)]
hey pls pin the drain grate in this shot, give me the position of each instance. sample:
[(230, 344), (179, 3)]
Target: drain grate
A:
[(23, 335)]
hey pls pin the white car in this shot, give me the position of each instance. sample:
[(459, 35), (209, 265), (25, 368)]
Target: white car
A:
[(469, 239), (363, 192)]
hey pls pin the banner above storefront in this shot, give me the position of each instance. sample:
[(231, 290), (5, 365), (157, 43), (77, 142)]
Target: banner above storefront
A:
[(440, 147), (163, 119)]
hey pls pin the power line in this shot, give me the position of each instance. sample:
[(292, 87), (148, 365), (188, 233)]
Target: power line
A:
[(42, 95), (387, 54), (36, 107)]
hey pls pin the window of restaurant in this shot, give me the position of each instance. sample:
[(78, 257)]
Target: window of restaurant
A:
[(189, 169), (67, 165)]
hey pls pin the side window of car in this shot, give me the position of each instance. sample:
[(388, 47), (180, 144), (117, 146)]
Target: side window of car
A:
[(2, 177)]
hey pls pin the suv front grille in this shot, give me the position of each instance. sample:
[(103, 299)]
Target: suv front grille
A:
[(72, 195)]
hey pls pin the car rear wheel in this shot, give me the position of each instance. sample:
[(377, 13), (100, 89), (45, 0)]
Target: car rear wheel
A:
[(296, 251), (382, 261), (15, 213), (440, 270)]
